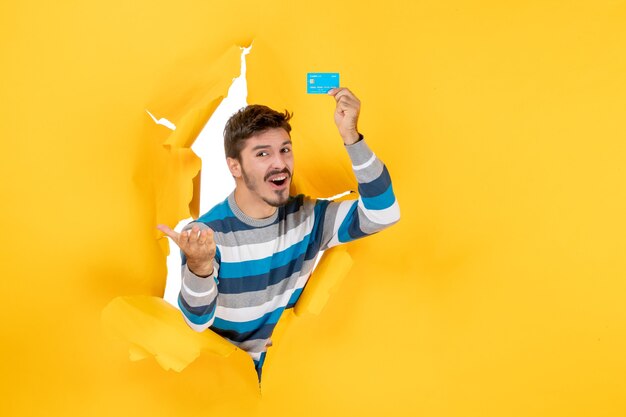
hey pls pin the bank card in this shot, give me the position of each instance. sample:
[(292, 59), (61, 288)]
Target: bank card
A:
[(321, 82)]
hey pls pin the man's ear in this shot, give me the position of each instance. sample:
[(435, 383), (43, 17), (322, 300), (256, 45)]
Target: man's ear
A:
[(234, 166)]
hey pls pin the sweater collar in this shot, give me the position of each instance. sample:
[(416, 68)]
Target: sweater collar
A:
[(247, 219)]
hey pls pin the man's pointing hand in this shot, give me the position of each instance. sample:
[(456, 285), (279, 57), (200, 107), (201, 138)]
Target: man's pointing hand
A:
[(197, 245)]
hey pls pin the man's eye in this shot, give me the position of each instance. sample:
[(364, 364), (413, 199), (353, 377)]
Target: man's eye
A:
[(285, 150), (262, 154)]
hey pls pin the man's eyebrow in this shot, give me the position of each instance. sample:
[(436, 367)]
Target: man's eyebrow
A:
[(257, 147)]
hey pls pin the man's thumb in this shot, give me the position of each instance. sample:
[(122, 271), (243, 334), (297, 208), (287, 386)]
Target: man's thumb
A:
[(169, 232)]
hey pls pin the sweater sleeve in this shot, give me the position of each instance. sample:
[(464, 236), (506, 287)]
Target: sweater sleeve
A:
[(198, 295), (374, 210)]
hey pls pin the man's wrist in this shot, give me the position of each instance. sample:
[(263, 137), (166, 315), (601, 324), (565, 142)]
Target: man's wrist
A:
[(201, 271), (352, 139)]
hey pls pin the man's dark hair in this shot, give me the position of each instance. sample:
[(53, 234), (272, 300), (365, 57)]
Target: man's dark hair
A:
[(249, 121)]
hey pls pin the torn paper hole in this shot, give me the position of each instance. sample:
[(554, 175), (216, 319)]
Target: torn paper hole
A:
[(215, 176), (216, 183)]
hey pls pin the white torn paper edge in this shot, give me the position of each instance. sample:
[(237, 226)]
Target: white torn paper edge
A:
[(345, 193), (162, 121)]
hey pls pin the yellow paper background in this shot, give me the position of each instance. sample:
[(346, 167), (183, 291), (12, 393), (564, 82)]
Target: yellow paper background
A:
[(500, 292)]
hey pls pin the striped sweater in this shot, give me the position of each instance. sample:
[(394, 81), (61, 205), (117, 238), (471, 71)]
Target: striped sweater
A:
[(262, 265)]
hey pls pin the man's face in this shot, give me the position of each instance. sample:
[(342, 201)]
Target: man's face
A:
[(266, 164)]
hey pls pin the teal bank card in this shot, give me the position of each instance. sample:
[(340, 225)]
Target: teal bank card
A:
[(321, 82)]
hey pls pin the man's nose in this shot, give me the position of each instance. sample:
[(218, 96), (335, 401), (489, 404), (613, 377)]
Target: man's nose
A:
[(279, 162)]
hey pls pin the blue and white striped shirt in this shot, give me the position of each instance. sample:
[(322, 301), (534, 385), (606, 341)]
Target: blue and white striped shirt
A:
[(262, 265)]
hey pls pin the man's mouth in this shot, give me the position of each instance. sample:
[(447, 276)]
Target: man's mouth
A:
[(278, 180)]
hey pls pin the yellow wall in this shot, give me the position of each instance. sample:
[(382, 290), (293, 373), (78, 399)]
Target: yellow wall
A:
[(500, 292)]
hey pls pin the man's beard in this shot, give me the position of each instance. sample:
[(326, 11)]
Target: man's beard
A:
[(280, 199)]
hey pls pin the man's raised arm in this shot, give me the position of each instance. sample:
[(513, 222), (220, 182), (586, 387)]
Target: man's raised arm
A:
[(376, 207)]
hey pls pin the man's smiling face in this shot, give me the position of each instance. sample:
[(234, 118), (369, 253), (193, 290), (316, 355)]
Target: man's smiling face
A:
[(266, 166)]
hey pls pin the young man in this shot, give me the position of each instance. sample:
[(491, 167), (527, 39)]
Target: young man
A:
[(249, 257)]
